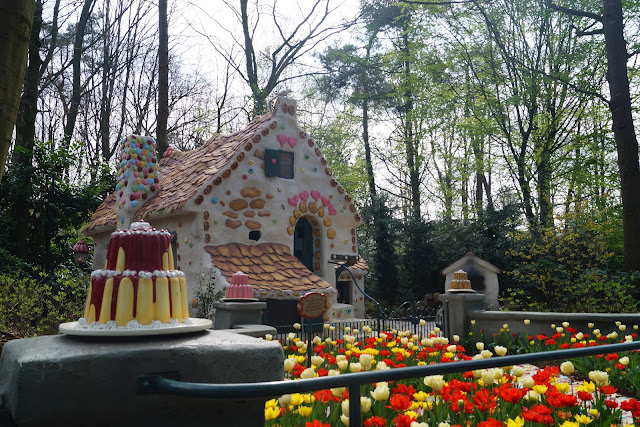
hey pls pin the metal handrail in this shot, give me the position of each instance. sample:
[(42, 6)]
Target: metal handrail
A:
[(159, 384), (355, 282)]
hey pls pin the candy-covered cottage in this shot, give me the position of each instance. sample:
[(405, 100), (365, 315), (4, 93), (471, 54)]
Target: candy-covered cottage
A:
[(262, 201)]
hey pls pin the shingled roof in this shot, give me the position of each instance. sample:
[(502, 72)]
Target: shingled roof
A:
[(270, 267), (181, 175)]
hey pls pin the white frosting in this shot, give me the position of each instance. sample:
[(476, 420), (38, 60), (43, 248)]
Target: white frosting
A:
[(134, 324), (141, 231), (141, 273), (140, 225)]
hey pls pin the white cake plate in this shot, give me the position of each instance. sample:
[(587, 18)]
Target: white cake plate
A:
[(240, 299), (461, 291), (71, 328)]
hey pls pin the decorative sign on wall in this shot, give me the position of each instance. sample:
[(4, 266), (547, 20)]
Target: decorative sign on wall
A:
[(312, 305)]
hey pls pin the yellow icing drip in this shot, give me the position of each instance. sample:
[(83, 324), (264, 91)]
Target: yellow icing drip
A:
[(105, 309), (171, 266), (176, 306), (120, 261), (161, 306), (183, 298), (124, 307), (86, 306), (92, 314), (144, 310), (165, 261)]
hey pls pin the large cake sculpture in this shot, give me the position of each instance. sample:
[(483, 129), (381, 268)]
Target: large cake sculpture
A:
[(138, 286), (139, 289), (460, 281)]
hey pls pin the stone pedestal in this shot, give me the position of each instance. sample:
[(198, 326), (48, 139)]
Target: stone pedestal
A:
[(232, 314), (65, 380), (459, 306)]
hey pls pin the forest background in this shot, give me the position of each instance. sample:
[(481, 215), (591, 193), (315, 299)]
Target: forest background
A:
[(503, 128)]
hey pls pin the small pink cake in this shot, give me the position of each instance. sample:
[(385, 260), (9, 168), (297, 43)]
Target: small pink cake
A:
[(240, 287)]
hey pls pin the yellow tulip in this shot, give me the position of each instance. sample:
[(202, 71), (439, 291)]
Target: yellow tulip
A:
[(305, 411), (540, 389), (271, 413), (583, 419), (518, 422), (587, 386)]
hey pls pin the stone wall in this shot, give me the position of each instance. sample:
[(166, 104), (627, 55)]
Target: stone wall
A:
[(492, 321)]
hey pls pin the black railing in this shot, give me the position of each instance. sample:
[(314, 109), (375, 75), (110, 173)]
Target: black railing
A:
[(162, 385)]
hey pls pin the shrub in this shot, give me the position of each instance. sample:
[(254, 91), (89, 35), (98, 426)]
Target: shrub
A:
[(36, 306), (572, 268), (206, 294)]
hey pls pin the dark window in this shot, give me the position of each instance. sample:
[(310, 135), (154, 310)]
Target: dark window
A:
[(278, 163), (303, 243), (255, 235)]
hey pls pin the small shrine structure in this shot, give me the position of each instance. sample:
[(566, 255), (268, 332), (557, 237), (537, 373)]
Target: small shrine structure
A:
[(482, 274), (261, 201)]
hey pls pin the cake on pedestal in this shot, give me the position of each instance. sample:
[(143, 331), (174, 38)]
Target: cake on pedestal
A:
[(460, 282), (138, 288)]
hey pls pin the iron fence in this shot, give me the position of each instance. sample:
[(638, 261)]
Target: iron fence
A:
[(407, 317), (163, 385)]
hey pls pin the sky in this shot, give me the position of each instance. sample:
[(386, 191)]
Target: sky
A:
[(198, 25)]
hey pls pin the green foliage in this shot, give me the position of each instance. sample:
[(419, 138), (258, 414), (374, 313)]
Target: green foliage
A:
[(571, 267), (206, 292), (36, 305), (57, 209), (378, 245)]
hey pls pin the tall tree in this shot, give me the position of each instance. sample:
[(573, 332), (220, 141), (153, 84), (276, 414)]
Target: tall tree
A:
[(163, 79), (265, 68), (77, 87), (22, 156), (16, 18), (619, 102)]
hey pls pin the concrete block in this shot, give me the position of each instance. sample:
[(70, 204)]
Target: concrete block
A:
[(231, 314), (57, 380), (459, 305)]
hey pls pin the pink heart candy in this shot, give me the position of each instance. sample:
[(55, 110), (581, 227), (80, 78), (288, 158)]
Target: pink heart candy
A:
[(293, 201), (315, 194), (332, 210), (304, 195), (325, 201), (292, 140), (273, 161), (282, 139)]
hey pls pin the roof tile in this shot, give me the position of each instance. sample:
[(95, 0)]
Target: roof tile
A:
[(270, 266), (186, 172)]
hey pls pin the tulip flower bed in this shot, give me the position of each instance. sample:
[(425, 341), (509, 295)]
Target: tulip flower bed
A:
[(574, 393)]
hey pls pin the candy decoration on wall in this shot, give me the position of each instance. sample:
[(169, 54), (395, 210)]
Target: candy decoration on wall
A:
[(137, 176)]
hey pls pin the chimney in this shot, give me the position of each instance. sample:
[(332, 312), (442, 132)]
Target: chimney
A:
[(137, 177)]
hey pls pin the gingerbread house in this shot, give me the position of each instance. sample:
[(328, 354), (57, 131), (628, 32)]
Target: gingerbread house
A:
[(262, 201)]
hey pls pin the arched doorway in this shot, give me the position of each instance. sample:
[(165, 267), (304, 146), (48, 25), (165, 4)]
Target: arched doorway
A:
[(303, 243)]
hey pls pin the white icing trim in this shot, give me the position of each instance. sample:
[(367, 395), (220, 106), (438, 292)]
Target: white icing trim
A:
[(134, 324), (141, 273)]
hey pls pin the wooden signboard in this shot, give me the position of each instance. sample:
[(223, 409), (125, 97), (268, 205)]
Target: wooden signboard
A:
[(312, 305)]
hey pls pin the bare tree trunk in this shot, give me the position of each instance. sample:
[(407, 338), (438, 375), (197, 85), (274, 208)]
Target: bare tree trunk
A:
[(16, 18), (163, 79), (410, 143), (76, 90), (624, 131), (22, 156)]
